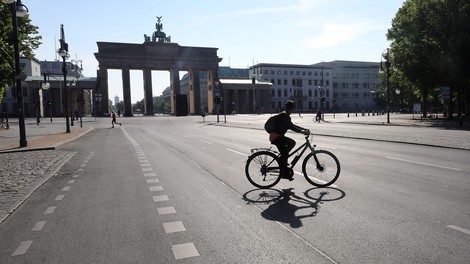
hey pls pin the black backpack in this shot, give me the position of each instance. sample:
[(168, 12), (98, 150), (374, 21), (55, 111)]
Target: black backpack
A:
[(272, 123)]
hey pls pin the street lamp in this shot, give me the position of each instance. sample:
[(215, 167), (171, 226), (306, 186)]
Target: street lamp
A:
[(18, 10), (63, 52), (386, 57)]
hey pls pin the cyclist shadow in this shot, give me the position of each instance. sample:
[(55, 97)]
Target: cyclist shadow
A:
[(283, 207)]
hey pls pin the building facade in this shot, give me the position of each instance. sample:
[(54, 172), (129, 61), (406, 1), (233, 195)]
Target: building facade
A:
[(327, 86)]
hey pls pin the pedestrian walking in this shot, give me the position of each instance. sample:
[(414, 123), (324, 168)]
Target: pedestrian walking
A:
[(113, 115), (318, 117)]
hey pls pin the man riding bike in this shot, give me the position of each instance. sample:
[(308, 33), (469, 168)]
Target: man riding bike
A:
[(285, 144)]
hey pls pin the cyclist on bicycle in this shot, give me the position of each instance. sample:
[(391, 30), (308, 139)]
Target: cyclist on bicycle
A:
[(285, 144)]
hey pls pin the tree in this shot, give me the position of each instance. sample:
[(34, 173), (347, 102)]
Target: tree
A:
[(430, 41), (28, 42)]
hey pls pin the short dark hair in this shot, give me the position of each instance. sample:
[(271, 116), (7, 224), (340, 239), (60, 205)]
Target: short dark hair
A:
[(289, 105)]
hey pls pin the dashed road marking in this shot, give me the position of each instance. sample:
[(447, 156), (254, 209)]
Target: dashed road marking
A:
[(71, 181), (38, 226), (153, 181), (423, 163), (22, 248), (155, 188), (59, 197), (50, 209), (460, 229), (173, 227), (166, 210), (205, 141), (160, 198), (66, 188), (145, 165), (186, 250), (237, 152), (147, 169), (150, 174)]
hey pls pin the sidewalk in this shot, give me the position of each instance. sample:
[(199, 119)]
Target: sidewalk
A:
[(23, 170)]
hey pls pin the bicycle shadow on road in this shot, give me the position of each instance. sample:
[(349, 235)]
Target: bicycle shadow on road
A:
[(284, 204)]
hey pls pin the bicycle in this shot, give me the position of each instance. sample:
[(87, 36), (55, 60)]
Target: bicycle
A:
[(320, 168)]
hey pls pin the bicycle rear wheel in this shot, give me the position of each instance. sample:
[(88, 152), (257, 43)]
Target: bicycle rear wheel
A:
[(325, 172), (262, 169)]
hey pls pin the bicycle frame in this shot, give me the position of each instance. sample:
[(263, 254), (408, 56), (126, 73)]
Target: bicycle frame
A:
[(302, 148)]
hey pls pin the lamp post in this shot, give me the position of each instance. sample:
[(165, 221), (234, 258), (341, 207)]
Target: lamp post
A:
[(253, 81), (18, 10), (386, 57), (63, 52)]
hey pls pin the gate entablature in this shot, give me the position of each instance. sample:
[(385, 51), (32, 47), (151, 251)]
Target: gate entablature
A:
[(150, 56)]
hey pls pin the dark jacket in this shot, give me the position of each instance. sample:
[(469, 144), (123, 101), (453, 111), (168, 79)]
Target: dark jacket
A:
[(285, 123)]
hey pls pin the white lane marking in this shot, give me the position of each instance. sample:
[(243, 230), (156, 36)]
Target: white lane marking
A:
[(38, 226), (160, 198), (143, 161), (59, 197), (144, 165), (237, 152), (166, 210), (150, 174), (423, 163), (153, 181), (147, 169), (173, 227), (458, 228), (76, 175), (50, 209), (22, 248), (155, 188), (186, 250), (318, 180), (207, 142), (83, 165), (141, 158), (71, 181), (85, 161), (66, 188)]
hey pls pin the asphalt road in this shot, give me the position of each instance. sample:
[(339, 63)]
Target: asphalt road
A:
[(165, 190)]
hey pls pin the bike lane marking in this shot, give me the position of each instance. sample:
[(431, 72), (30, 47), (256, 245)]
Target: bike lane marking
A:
[(180, 251), (22, 248)]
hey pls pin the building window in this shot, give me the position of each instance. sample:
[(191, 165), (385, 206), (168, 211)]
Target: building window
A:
[(335, 85), (285, 82), (285, 92), (279, 93), (365, 85), (344, 85)]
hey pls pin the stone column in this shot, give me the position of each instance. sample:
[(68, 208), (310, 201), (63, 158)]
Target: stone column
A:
[(210, 90), (175, 88), (103, 106), (194, 92), (126, 87), (148, 95)]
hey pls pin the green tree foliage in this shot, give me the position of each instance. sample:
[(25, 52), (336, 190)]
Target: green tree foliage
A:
[(430, 43), (29, 40)]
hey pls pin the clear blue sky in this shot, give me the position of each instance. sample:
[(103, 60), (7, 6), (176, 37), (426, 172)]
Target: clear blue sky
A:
[(245, 32)]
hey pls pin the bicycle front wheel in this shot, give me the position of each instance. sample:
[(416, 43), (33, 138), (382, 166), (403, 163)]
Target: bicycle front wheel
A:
[(322, 171), (262, 169)]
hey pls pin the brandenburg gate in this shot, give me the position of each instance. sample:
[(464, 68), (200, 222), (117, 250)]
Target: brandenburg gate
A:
[(157, 53)]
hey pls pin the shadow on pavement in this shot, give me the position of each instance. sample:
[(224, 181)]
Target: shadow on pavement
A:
[(282, 203)]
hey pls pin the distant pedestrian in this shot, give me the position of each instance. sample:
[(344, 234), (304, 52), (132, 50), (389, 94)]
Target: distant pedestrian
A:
[(113, 115), (318, 116)]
